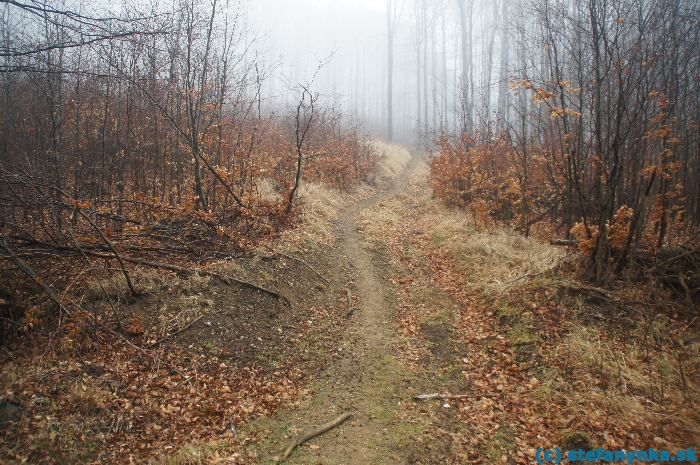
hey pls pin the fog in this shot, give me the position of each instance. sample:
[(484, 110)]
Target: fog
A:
[(187, 186), (405, 70), (338, 48), (341, 49), (447, 66)]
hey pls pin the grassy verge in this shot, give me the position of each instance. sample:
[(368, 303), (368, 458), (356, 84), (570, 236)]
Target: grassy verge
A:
[(562, 364)]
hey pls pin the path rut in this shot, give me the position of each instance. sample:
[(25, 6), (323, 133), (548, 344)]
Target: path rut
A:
[(368, 380)]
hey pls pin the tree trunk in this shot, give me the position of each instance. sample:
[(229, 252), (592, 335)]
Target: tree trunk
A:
[(502, 110), (465, 27), (390, 72)]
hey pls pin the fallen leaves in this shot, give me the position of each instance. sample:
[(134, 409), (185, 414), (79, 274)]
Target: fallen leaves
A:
[(542, 392), (139, 407)]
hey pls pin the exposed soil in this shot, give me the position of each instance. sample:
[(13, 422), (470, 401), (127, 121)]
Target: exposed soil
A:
[(369, 375), (253, 328), (225, 355)]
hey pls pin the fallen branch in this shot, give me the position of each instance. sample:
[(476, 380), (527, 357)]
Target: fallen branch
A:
[(351, 310), (187, 271), (107, 255), (688, 253), (686, 289), (21, 326), (323, 278), (563, 242), (181, 330), (509, 284), (580, 288), (525, 276), (27, 270), (312, 434), (451, 396), (610, 296), (106, 240)]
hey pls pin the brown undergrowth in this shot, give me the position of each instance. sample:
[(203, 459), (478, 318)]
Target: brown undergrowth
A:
[(547, 361), (201, 360), (172, 375)]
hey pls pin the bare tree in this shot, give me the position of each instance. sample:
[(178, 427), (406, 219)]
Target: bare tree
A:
[(465, 20), (303, 123), (393, 15), (502, 108)]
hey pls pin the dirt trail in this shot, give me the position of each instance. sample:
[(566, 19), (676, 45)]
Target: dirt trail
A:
[(374, 328), (366, 380), (435, 313)]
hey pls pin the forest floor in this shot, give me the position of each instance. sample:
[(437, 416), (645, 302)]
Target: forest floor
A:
[(388, 295), (496, 324)]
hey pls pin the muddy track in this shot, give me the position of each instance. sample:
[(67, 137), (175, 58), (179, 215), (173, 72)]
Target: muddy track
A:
[(367, 380)]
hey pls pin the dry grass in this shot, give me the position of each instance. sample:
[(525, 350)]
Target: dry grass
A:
[(268, 190), (631, 388), (633, 382), (643, 380), (394, 158), (215, 452), (492, 261), (321, 207), (199, 454), (495, 260), (145, 280)]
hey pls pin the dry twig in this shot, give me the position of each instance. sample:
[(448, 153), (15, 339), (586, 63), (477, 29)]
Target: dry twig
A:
[(323, 278), (26, 269), (312, 434), (451, 396), (187, 271), (174, 333)]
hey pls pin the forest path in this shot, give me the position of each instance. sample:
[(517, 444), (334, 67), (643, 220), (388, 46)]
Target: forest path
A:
[(365, 377)]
